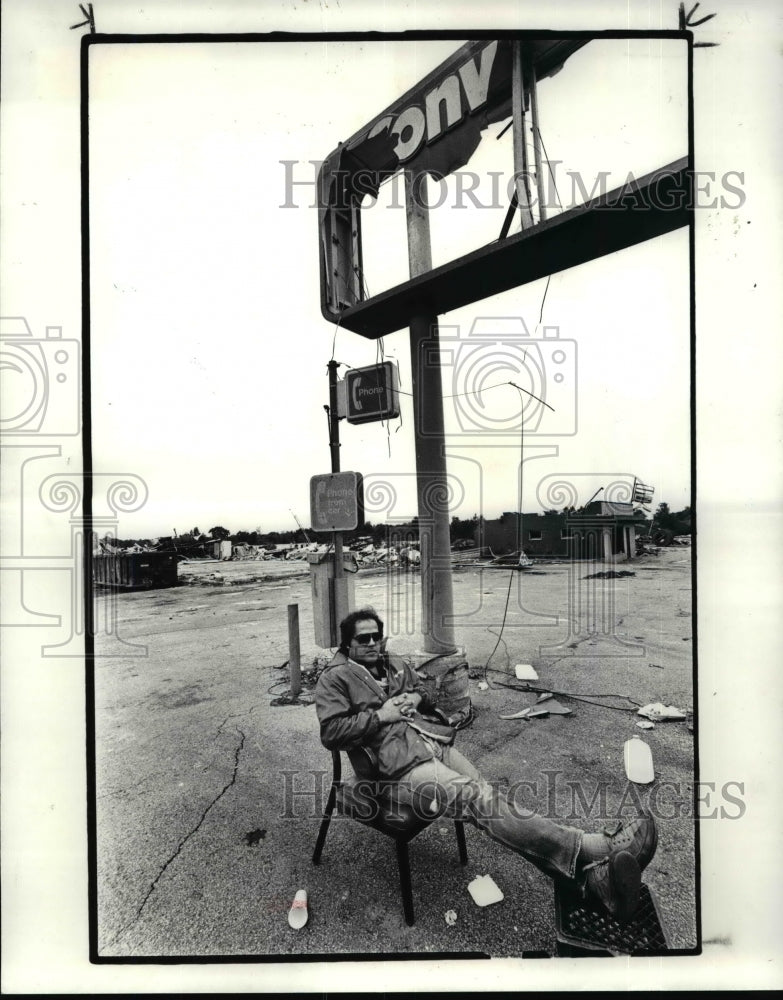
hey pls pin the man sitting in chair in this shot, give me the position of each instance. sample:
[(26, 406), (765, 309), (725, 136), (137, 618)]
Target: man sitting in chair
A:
[(367, 698)]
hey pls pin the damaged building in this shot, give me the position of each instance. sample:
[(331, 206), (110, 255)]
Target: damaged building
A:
[(601, 530)]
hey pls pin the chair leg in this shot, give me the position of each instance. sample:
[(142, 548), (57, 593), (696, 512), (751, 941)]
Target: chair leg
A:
[(459, 826), (405, 879), (319, 844)]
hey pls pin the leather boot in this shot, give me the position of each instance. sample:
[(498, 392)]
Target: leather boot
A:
[(615, 881)]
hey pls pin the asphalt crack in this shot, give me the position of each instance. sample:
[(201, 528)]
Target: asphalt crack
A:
[(186, 838), (235, 715)]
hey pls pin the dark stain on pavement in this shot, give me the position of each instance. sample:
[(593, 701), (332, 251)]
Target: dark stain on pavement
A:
[(252, 838), (182, 697)]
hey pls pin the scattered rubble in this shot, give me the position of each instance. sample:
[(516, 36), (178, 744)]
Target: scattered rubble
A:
[(609, 574), (554, 707), (523, 714), (286, 698), (658, 712)]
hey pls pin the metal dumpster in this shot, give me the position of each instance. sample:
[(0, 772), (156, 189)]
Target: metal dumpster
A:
[(134, 570)]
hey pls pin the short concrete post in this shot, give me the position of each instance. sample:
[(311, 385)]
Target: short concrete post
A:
[(294, 663)]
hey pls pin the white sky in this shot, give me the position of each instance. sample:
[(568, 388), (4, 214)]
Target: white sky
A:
[(209, 348)]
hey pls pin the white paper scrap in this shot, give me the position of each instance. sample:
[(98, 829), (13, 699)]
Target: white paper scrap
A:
[(484, 890)]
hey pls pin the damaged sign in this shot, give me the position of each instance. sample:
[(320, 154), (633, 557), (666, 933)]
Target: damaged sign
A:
[(434, 128)]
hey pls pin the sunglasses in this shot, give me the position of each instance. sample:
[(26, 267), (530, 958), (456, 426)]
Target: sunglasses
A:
[(366, 638)]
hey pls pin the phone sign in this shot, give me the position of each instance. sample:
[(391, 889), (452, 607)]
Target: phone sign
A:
[(372, 393), (336, 501)]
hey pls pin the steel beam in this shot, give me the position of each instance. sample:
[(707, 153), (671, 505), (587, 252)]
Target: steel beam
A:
[(653, 205)]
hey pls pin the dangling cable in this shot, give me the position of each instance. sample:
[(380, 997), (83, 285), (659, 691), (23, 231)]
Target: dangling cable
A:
[(519, 531), (334, 338)]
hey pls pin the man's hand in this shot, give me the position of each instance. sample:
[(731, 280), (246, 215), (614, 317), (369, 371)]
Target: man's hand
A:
[(408, 702), (390, 711)]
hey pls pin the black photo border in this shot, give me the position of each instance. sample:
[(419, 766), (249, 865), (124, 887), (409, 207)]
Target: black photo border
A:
[(87, 42)]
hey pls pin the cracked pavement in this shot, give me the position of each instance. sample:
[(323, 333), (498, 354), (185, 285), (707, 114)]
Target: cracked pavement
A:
[(187, 836), (195, 855)]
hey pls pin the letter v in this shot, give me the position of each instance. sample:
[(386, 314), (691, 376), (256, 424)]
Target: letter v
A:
[(477, 84)]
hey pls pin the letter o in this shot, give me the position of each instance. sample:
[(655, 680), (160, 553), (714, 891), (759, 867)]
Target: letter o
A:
[(414, 119)]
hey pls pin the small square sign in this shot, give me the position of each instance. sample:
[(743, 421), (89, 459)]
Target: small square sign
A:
[(336, 501), (372, 393)]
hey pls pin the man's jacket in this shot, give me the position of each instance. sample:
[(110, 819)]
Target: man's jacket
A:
[(347, 698)]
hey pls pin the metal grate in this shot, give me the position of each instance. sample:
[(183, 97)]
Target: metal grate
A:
[(584, 925)]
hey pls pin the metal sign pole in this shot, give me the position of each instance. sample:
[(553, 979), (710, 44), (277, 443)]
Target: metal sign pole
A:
[(437, 603), (337, 598), (537, 141), (521, 172)]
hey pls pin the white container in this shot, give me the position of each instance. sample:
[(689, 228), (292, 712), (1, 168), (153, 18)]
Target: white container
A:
[(484, 890), (638, 761)]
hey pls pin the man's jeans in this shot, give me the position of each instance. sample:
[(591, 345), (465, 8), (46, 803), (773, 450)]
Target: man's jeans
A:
[(456, 789)]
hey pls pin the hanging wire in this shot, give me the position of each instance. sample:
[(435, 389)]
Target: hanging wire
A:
[(519, 530), (334, 338), (549, 165), (543, 300), (497, 385), (519, 498), (568, 694), (502, 626)]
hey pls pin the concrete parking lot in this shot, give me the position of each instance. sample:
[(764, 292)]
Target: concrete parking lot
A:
[(208, 796)]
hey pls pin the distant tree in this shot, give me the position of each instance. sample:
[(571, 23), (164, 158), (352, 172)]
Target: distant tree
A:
[(219, 532), (684, 520), (461, 529), (678, 523), (664, 517)]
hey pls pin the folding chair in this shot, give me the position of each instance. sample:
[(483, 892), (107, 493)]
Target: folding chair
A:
[(372, 802)]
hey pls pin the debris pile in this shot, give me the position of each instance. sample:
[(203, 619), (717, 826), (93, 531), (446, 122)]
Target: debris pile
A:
[(658, 712), (609, 574), (309, 678)]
